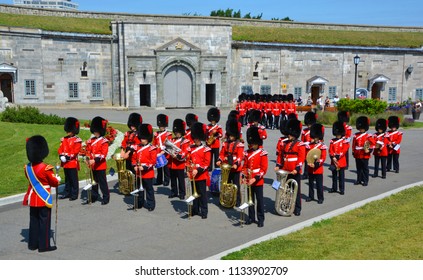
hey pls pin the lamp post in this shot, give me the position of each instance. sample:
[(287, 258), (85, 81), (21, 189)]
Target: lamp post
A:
[(356, 62)]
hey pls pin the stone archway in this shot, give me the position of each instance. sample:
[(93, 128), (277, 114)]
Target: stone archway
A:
[(177, 87)]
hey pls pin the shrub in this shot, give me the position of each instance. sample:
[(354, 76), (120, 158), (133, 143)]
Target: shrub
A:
[(362, 106), (29, 115)]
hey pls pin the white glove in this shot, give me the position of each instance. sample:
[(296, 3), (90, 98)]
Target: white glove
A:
[(58, 178), (163, 148), (63, 159)]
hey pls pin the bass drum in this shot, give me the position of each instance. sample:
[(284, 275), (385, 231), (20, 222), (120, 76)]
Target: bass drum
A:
[(215, 181)]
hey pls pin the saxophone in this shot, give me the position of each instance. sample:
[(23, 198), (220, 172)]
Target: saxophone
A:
[(211, 139), (286, 194), (228, 191)]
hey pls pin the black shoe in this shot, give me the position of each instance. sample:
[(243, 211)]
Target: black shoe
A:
[(33, 248), (165, 183), (320, 201), (383, 177), (308, 199), (51, 248), (341, 193), (204, 217), (396, 171), (172, 196), (104, 202), (260, 224), (62, 196), (73, 198), (87, 202), (150, 209), (364, 184), (356, 183), (182, 197), (331, 191), (374, 175), (249, 222), (297, 213), (388, 170), (157, 184)]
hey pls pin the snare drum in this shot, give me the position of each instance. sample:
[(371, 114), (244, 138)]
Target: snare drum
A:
[(161, 161)]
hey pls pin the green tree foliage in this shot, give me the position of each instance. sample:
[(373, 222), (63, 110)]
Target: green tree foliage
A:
[(363, 106), (230, 13), (282, 19)]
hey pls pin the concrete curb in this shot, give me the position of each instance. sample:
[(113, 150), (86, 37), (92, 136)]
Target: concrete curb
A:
[(310, 222)]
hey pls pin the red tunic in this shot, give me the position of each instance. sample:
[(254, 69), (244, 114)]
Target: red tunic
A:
[(130, 140), (45, 175), (70, 147), (188, 136), (318, 163), (395, 138), (97, 149), (358, 143), (255, 165), (179, 161), (381, 140), (217, 131), (234, 149), (145, 156), (276, 110), (159, 139), (199, 158), (293, 156), (338, 149), (280, 146)]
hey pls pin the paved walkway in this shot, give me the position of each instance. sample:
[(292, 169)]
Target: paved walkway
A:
[(96, 232)]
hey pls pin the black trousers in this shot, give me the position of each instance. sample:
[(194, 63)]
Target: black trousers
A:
[(146, 198), (276, 122), (71, 183), (100, 178), (338, 176), (39, 228), (214, 158), (257, 197), (315, 180), (382, 161), (393, 159), (200, 206), (234, 178), (177, 182), (297, 177), (163, 171), (362, 170)]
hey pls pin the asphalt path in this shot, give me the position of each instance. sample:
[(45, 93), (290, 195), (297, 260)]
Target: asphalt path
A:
[(112, 232)]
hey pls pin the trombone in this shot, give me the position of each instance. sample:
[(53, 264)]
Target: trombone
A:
[(136, 191), (245, 202), (90, 181), (191, 194)]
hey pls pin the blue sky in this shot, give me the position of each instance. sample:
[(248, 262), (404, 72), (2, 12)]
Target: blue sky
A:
[(373, 12)]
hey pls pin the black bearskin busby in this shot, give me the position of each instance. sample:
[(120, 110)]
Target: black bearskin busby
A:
[(199, 131), (294, 127), (381, 124), (393, 121), (213, 114), (290, 97), (362, 122), (253, 136), (317, 131), (134, 120), (190, 119), (338, 128), (72, 125), (282, 127), (179, 126), (234, 114), (310, 118), (233, 128), (36, 149), (344, 116), (255, 116), (145, 131), (98, 124), (162, 120)]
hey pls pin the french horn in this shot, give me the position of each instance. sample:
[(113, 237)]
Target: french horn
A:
[(286, 194)]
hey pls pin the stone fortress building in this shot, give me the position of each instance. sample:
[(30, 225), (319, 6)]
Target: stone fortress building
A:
[(183, 62)]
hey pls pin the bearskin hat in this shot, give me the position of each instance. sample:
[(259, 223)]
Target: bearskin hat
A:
[(36, 149), (338, 128), (317, 131), (294, 127), (233, 128), (234, 114), (190, 119), (179, 126), (310, 118), (72, 125), (292, 116), (362, 122), (255, 116), (145, 131), (344, 116), (98, 124), (253, 136), (134, 120), (381, 124), (393, 121), (242, 97), (162, 120), (199, 131), (290, 97), (213, 114), (282, 127)]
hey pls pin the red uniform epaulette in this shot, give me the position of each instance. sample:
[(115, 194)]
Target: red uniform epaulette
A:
[(49, 167)]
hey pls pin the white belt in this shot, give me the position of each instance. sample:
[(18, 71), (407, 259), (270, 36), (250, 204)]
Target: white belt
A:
[(359, 148), (255, 170), (292, 159)]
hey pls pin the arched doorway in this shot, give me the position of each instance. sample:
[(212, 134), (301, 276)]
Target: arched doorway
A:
[(376, 90), (177, 87), (6, 82)]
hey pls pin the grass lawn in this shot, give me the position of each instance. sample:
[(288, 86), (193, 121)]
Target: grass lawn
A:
[(388, 229)]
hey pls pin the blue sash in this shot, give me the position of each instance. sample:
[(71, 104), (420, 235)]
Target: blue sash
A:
[(39, 189)]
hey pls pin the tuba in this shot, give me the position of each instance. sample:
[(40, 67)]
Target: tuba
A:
[(228, 191), (286, 194), (171, 148), (125, 177)]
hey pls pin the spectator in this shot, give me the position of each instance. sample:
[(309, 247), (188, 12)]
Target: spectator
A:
[(346, 96), (335, 100), (319, 103), (327, 102), (309, 101), (299, 101)]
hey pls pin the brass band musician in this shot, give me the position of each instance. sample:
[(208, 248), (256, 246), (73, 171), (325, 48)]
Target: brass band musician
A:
[(214, 134)]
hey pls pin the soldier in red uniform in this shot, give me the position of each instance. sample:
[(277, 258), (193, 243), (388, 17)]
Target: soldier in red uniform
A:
[(97, 148), (255, 120), (310, 118), (276, 110), (395, 138), (292, 158), (344, 117), (254, 168), (242, 108), (41, 179), (144, 160), (360, 153), (338, 150), (381, 138), (69, 149), (130, 140), (177, 160), (232, 153), (214, 134), (159, 139), (315, 169), (190, 119), (199, 156)]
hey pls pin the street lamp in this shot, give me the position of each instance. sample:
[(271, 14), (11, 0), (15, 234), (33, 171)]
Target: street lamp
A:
[(356, 62)]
